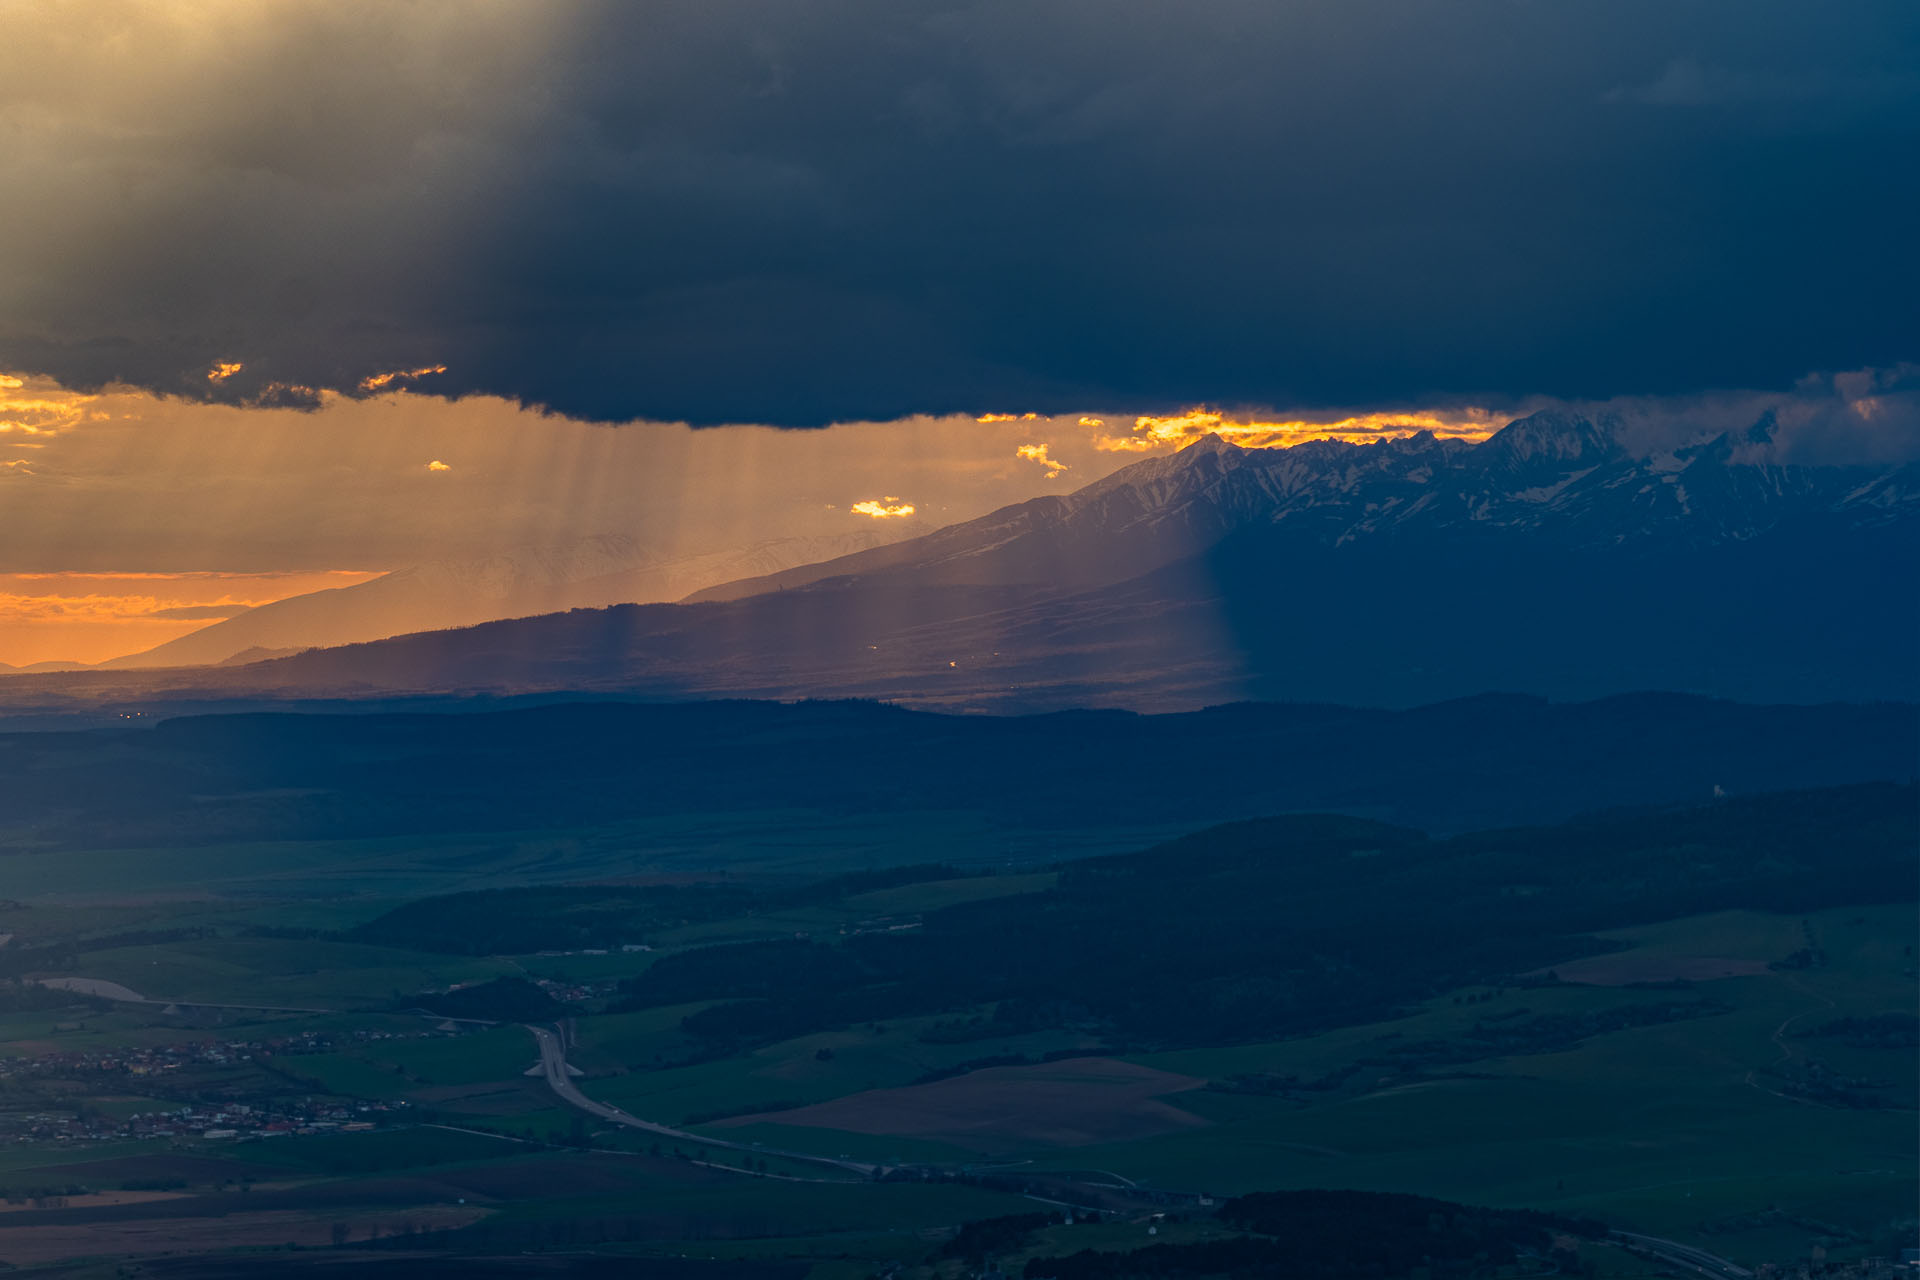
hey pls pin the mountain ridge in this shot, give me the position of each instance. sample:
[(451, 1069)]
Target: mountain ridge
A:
[(1547, 560), (589, 572), (1546, 469)]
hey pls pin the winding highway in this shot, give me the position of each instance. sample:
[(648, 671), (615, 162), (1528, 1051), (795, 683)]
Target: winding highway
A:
[(553, 1065), (1697, 1261)]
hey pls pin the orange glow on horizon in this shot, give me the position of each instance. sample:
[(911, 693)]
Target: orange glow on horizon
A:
[(1150, 433), (81, 617)]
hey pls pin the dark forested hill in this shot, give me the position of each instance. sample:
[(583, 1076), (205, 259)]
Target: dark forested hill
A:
[(1474, 763), (1285, 925)]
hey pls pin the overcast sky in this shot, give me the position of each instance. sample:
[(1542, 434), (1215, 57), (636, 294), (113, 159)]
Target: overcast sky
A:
[(799, 213), (299, 286)]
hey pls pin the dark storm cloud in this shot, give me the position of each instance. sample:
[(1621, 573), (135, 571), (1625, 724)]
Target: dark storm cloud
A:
[(753, 210)]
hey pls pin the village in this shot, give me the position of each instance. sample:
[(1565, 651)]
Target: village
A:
[(43, 1111)]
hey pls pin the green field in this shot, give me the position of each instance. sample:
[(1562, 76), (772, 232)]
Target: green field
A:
[(415, 1068), (1668, 1129), (305, 973), (1680, 1126), (794, 1072)]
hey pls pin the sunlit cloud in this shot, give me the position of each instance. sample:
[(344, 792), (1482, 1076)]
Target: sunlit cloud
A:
[(1038, 453), (39, 407), (144, 481), (380, 381), (1008, 417), (1150, 433), (437, 465), (223, 370), (882, 508)]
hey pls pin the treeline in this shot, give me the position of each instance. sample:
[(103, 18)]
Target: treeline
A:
[(1336, 1235), (985, 1238), (64, 954), (1286, 925), (1875, 1031), (490, 922), (1522, 1032), (1456, 766), (31, 997), (508, 999), (521, 921)]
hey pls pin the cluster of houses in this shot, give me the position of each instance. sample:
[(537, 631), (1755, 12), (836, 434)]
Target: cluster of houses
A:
[(140, 1068), (158, 1060), (576, 992), (224, 1122), (1905, 1267)]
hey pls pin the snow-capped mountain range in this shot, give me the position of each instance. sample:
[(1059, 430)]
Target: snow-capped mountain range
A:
[(1551, 475), (1548, 559)]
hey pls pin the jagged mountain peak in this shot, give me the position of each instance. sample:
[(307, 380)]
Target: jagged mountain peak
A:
[(1166, 475), (1553, 436), (1564, 477), (1752, 446), (1211, 442)]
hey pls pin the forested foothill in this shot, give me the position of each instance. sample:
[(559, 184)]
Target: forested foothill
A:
[(1287, 925), (1455, 766), (1085, 1034)]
